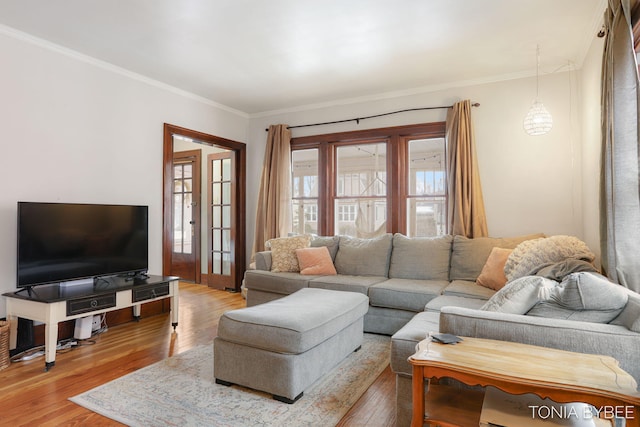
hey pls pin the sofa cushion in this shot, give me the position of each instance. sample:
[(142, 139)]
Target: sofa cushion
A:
[(344, 282), (295, 323), (364, 257), (422, 258), (630, 315), (518, 296), (468, 289), (449, 300), (468, 256), (330, 242), (405, 294), (403, 342), (588, 297), (283, 252), (315, 261), (263, 260), (492, 275)]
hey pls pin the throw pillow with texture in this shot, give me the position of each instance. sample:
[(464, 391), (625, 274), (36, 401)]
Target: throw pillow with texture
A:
[(283, 252), (492, 275), (315, 261), (518, 296)]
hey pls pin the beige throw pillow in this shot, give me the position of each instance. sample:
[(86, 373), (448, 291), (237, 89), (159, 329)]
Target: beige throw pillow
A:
[(492, 275), (283, 252)]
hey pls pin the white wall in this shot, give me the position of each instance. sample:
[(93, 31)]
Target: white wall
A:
[(531, 184), (74, 131)]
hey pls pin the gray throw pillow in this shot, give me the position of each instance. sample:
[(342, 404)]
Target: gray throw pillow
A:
[(518, 296), (364, 257), (583, 296)]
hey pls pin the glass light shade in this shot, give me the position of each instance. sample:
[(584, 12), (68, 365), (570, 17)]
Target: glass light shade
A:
[(538, 121)]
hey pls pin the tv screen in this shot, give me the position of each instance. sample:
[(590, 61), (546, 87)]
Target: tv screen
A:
[(59, 242)]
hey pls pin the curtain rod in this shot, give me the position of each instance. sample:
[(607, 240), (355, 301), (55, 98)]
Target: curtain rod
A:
[(357, 120)]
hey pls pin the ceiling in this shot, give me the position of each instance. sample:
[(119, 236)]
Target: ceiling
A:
[(258, 56)]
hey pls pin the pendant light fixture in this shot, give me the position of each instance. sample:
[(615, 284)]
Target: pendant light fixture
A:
[(538, 121)]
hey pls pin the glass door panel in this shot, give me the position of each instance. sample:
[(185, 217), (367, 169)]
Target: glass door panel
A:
[(185, 215), (221, 225)]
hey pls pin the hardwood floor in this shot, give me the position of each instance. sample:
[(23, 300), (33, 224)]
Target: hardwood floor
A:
[(31, 397)]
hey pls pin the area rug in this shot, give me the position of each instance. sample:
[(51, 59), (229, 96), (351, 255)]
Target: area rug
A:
[(180, 391)]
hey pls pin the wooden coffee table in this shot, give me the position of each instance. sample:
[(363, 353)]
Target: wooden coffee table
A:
[(515, 368)]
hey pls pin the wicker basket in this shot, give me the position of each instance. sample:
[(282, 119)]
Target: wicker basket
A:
[(5, 360)]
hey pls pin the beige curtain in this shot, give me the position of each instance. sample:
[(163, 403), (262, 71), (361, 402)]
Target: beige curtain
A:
[(273, 216), (465, 210), (619, 189)]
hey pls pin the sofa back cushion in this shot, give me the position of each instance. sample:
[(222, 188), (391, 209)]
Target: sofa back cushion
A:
[(330, 242), (468, 256), (364, 257), (420, 258)]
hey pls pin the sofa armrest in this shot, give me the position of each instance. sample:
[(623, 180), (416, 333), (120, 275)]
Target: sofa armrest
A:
[(263, 260), (584, 337), (630, 315)]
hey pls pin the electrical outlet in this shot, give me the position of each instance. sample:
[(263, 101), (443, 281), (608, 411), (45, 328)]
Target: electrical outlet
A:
[(96, 322)]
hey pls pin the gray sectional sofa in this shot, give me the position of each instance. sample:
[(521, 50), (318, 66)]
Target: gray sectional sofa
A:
[(421, 285), (400, 275)]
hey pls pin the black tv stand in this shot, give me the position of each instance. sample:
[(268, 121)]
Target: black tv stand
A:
[(141, 275), (52, 304)]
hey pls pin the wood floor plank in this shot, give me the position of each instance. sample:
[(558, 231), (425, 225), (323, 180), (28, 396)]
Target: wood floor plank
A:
[(29, 396)]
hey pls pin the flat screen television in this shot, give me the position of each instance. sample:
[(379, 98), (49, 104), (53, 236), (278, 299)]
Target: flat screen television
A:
[(63, 242)]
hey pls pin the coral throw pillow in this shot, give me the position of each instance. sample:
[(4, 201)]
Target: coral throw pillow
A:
[(315, 261), (492, 275)]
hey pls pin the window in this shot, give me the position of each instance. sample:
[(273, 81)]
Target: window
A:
[(367, 183), (346, 213), (311, 213), (304, 191), (426, 197), (362, 189)]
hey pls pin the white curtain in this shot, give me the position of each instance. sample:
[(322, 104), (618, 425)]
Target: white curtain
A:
[(619, 191)]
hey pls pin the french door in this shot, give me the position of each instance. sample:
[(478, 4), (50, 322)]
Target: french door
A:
[(185, 260), (221, 221), (222, 209)]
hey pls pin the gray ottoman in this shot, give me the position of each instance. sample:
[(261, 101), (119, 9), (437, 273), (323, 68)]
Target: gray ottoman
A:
[(283, 346)]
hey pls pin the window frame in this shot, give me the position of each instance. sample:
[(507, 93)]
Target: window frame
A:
[(397, 140)]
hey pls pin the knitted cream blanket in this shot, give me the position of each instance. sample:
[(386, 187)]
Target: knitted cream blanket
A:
[(532, 255)]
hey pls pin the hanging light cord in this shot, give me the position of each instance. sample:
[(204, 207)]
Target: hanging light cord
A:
[(537, 69)]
